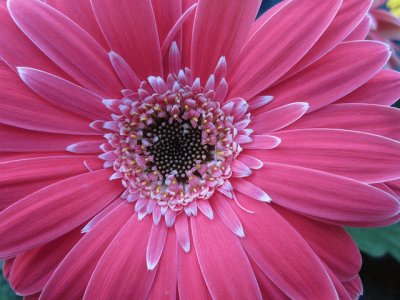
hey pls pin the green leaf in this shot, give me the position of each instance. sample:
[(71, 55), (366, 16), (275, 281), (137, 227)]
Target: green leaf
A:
[(6, 293), (378, 241)]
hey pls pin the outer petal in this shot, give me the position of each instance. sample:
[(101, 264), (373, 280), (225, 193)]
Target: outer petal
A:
[(20, 140), (370, 118), (31, 270), (324, 195), (72, 276), (383, 89), (361, 156), (130, 29), (361, 31), (220, 29), (123, 264), (70, 47), (331, 243), (65, 94), (165, 283), (80, 11), (339, 73), (17, 50), (166, 12), (266, 242), (223, 262), (63, 206), (281, 42), (21, 107)]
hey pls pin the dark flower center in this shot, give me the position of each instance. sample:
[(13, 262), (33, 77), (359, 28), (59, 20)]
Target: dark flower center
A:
[(177, 146)]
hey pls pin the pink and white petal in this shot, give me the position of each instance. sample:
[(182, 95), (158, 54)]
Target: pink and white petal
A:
[(329, 197), (228, 216), (362, 156), (86, 147), (266, 242), (73, 274), (131, 31), (22, 108), (250, 161), (354, 287), (31, 270), (239, 169), (262, 142), (224, 25), (333, 245), (282, 41), (80, 11), (17, 50), (165, 283), (64, 94), (190, 279), (44, 168), (70, 47), (350, 14), (248, 188), (125, 73), (369, 118), (64, 205), (228, 273), (182, 232), (278, 118), (382, 89), (155, 246), (113, 271), (20, 140), (361, 31), (166, 12), (346, 73)]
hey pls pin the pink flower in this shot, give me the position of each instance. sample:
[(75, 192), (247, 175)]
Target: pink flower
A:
[(153, 149), (385, 27)]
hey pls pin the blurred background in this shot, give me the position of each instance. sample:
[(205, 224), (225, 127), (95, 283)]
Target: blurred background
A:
[(380, 247)]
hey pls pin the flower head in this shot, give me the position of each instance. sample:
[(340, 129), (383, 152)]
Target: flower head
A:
[(183, 149)]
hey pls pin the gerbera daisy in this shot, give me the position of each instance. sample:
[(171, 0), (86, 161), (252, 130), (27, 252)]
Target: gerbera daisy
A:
[(183, 149)]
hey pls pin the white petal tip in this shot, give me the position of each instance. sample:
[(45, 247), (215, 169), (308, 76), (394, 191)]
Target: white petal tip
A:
[(71, 148)]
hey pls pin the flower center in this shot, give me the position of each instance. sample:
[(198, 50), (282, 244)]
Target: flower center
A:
[(177, 148)]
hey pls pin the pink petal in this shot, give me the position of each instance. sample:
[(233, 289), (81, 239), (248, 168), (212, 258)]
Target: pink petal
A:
[(7, 265), (190, 278), (155, 246), (278, 118), (354, 287), (361, 31), (130, 29), (346, 73), (324, 195), (63, 206), (281, 42), (127, 76), (227, 273), (72, 276), (239, 169), (220, 29), (250, 161), (262, 142), (227, 214), (70, 47), (370, 118), (340, 290), (205, 208), (182, 232), (43, 168), (362, 156), (266, 242), (113, 270), (187, 31), (80, 11), (31, 270), (64, 94), (349, 15), (247, 187), (85, 147), (166, 12), (20, 140), (17, 50), (101, 215), (165, 283), (383, 89), (333, 245), (21, 107)]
